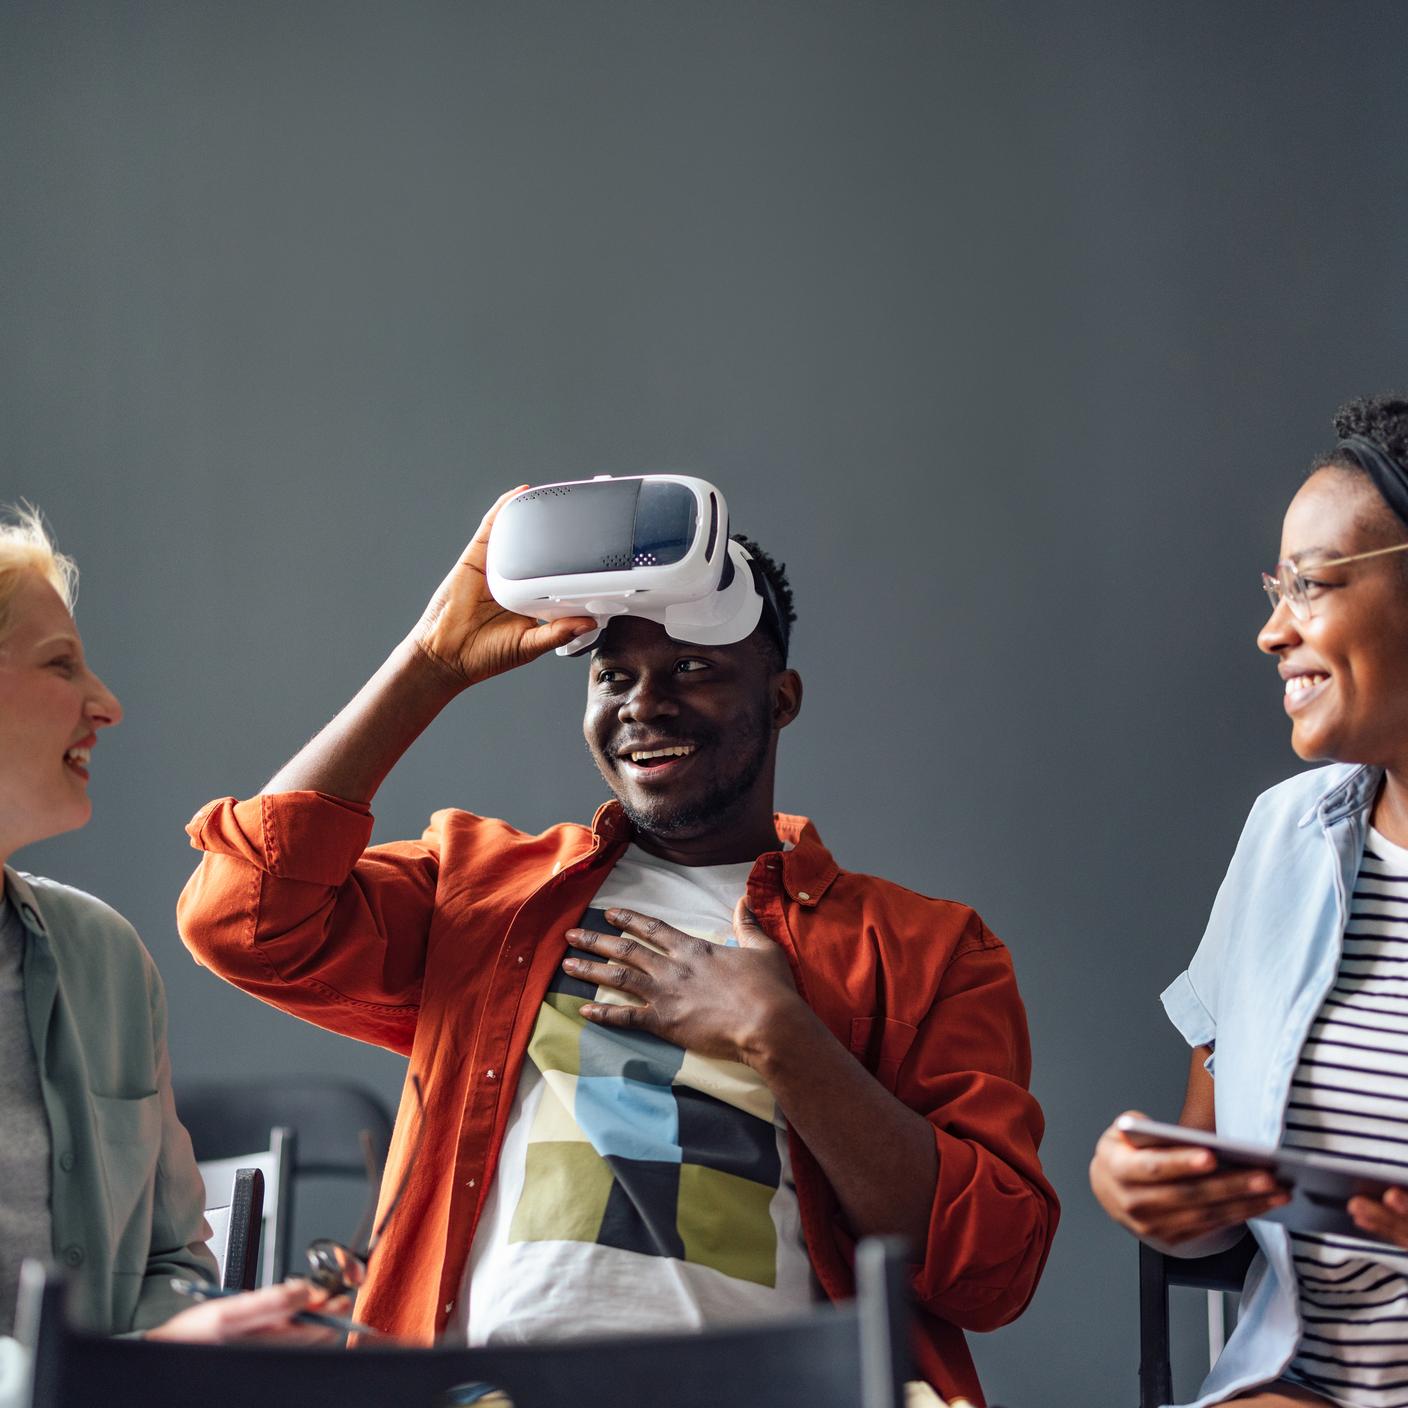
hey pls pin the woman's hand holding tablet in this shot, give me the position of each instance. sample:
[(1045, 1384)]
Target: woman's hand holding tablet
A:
[(1322, 1193), (1173, 1190)]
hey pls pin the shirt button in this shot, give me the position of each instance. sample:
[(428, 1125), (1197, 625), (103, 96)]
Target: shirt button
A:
[(470, 1184), (491, 1075), (66, 1161), (449, 1306), (803, 895), (73, 1255), (520, 958)]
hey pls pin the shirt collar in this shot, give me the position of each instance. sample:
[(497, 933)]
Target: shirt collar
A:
[(1354, 793), (21, 895), (807, 869)]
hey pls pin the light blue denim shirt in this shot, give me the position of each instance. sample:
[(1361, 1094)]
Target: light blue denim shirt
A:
[(1267, 959)]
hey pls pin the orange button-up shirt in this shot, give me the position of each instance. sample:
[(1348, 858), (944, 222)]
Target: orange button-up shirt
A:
[(442, 949)]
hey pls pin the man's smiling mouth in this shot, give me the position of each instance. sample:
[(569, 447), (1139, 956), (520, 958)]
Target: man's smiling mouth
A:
[(655, 759)]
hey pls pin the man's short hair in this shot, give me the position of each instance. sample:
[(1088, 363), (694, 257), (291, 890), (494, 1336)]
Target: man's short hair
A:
[(778, 610)]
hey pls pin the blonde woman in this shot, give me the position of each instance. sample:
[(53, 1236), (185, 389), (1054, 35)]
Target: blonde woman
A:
[(96, 1172)]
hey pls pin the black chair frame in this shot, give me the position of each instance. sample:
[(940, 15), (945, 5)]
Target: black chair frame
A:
[(854, 1355), (1223, 1271), (246, 1228)]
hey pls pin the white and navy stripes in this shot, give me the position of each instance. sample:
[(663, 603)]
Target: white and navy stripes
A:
[(1349, 1097)]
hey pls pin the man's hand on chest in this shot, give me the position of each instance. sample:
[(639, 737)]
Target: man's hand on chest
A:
[(711, 998)]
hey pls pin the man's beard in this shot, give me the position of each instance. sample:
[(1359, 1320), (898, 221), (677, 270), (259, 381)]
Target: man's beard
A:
[(682, 818)]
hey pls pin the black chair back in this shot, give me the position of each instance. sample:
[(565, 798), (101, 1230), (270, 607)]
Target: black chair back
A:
[(845, 1356), (225, 1118)]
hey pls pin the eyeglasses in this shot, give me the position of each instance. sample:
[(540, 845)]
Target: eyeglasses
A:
[(340, 1269), (1290, 585)]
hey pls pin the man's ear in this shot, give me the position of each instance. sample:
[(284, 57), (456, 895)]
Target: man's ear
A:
[(786, 697)]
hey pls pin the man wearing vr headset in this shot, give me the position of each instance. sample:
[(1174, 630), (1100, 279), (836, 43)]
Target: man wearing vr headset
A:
[(674, 1064)]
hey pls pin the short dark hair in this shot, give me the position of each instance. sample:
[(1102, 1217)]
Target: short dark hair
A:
[(785, 612), (1382, 419)]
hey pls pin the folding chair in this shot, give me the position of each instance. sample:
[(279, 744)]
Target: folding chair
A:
[(1220, 1274), (833, 1356), (292, 1130)]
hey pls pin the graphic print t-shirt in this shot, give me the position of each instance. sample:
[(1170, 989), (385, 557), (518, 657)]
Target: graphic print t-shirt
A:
[(641, 1187)]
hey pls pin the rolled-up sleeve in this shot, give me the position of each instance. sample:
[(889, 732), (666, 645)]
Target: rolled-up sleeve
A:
[(1188, 1012), (1194, 998), (994, 1213), (289, 904)]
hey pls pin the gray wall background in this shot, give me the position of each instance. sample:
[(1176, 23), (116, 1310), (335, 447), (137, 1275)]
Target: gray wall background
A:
[(1010, 326)]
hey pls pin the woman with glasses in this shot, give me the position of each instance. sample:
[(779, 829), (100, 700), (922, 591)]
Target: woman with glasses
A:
[(1296, 1002), (96, 1172)]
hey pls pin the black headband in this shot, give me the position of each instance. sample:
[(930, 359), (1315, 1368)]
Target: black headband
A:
[(1388, 476)]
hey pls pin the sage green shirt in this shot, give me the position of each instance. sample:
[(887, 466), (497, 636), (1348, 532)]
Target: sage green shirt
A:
[(126, 1198), (25, 1228)]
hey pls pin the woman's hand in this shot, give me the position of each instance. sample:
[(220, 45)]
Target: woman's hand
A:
[(1176, 1194), (1384, 1219), (468, 635), (256, 1315)]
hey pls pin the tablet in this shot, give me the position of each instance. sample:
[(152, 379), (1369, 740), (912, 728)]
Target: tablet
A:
[(1320, 1184)]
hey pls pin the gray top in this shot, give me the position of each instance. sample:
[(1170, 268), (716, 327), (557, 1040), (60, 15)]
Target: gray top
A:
[(24, 1150), (125, 1196)]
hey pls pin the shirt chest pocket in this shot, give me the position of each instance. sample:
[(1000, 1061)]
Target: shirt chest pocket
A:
[(880, 1044), (129, 1143)]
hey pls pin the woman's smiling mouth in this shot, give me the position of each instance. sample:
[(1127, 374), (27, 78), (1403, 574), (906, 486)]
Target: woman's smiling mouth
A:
[(1303, 688), (77, 758)]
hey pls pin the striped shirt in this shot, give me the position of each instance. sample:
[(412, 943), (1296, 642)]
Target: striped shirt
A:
[(1349, 1097)]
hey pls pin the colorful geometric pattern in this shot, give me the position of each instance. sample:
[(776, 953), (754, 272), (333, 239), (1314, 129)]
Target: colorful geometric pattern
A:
[(641, 1145)]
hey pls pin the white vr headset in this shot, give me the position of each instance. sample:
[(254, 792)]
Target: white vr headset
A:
[(650, 545)]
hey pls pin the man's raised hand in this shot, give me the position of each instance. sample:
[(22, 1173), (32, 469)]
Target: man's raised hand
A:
[(462, 637), (467, 635)]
